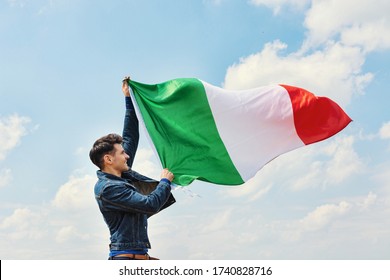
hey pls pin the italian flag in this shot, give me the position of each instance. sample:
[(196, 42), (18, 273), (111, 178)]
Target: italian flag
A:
[(200, 131)]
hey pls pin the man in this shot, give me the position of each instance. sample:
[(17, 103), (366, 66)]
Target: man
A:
[(127, 199)]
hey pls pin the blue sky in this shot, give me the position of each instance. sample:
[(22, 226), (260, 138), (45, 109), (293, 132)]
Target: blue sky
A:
[(61, 65)]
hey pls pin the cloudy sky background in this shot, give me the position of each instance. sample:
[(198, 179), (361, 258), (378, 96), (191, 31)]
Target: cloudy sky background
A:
[(61, 65)]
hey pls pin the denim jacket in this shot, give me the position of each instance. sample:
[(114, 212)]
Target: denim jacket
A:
[(127, 202)]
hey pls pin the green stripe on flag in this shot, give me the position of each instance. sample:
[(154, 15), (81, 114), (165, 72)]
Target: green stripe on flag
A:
[(180, 123)]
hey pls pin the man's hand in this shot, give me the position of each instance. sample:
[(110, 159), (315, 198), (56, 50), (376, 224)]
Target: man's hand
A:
[(167, 174), (125, 86)]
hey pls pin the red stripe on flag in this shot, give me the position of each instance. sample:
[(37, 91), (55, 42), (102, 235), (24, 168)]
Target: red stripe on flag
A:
[(315, 118)]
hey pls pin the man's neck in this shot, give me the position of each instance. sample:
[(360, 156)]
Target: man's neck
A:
[(112, 172)]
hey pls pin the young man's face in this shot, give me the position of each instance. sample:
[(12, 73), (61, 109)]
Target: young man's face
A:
[(119, 159)]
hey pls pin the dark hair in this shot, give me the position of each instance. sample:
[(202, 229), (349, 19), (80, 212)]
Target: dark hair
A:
[(103, 146)]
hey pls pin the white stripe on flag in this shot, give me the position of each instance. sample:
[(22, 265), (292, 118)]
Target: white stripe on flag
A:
[(256, 125)]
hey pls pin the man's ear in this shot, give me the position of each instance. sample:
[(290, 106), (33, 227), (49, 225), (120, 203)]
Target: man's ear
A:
[(107, 159)]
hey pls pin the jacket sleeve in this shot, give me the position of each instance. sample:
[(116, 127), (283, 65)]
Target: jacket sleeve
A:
[(145, 185), (130, 132), (126, 198)]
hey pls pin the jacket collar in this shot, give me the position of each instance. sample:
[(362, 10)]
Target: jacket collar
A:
[(104, 175)]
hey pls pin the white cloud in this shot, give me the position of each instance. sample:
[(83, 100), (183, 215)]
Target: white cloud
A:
[(382, 177), (366, 35), (20, 218), (344, 216), (219, 221), (23, 223), (328, 165), (384, 132), (145, 163), (368, 201), (67, 233), (345, 161), (355, 23), (335, 71), (323, 215), (363, 23), (219, 230), (5, 177), (76, 194), (12, 128)]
